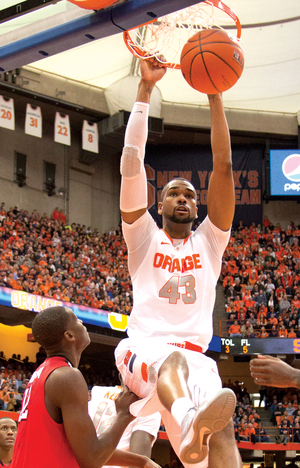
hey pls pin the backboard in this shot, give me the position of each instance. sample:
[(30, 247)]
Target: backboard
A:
[(48, 29)]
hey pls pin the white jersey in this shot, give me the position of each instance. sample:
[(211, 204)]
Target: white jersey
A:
[(102, 411), (174, 286)]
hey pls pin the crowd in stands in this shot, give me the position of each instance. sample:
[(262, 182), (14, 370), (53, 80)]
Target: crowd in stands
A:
[(261, 281), (15, 374), (281, 405), (246, 420), (284, 405), (46, 256)]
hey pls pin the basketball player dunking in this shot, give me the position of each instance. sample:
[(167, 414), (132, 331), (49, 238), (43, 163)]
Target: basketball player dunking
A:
[(174, 272)]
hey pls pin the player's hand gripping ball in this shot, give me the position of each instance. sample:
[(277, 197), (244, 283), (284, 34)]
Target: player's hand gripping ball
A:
[(212, 61)]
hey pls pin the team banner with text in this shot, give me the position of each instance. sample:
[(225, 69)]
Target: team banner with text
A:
[(164, 163), (32, 302)]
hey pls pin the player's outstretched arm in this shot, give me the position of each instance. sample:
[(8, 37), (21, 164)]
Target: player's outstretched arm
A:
[(221, 196), (133, 198), (271, 371)]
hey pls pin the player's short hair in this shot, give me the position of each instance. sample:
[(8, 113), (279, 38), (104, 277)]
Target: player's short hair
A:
[(166, 187), (49, 325), (10, 419)]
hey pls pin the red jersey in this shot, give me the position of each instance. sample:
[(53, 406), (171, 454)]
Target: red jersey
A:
[(40, 441)]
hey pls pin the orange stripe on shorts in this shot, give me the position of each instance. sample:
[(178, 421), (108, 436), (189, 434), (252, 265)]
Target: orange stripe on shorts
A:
[(144, 372)]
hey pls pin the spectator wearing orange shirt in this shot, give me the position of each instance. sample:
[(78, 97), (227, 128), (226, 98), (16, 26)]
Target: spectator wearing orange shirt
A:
[(296, 301), (249, 302), (292, 334), (279, 292), (228, 281), (232, 268), (238, 303), (250, 433), (56, 214), (263, 310), (231, 308), (273, 319), (263, 333), (62, 216), (282, 332), (234, 330), (266, 222), (242, 433), (253, 278)]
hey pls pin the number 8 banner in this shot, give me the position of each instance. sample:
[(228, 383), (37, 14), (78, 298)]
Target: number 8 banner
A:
[(90, 137), (7, 113), (33, 121)]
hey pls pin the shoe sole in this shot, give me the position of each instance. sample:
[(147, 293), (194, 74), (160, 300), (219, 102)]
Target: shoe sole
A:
[(207, 421)]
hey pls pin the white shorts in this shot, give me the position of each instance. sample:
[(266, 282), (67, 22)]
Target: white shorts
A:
[(139, 365)]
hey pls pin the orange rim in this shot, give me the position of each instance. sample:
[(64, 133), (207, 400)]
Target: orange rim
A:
[(92, 4), (139, 53)]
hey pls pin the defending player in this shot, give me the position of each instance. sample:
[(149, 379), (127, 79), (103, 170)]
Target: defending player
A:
[(174, 274), (140, 434), (55, 429)]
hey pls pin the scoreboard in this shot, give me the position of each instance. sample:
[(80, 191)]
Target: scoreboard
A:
[(250, 346)]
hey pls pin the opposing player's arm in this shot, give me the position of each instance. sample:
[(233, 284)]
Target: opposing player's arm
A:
[(271, 371), (221, 196), (66, 393), (133, 198)]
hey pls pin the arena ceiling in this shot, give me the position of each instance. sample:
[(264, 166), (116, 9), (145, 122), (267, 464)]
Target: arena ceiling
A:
[(270, 40)]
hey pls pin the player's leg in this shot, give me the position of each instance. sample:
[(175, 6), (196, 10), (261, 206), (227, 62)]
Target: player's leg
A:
[(172, 381), (197, 422), (222, 446)]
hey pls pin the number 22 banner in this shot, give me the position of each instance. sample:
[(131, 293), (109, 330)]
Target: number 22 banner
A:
[(33, 121), (62, 132), (7, 113)]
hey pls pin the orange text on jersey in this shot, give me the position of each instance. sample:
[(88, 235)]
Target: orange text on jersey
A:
[(190, 262), (111, 396)]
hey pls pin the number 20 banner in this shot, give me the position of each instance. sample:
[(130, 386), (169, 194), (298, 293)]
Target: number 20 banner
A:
[(33, 121), (7, 113)]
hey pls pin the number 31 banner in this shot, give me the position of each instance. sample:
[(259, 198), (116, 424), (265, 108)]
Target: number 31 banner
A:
[(62, 133), (33, 121), (7, 113)]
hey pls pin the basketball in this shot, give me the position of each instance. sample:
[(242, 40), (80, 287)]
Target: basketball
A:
[(211, 61)]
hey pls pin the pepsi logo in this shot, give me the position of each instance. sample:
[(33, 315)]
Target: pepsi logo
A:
[(291, 167)]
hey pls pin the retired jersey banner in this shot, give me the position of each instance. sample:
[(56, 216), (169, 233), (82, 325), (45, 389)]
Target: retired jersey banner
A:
[(33, 121), (164, 163), (7, 113)]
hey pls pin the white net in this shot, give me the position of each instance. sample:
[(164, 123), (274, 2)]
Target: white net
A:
[(168, 34)]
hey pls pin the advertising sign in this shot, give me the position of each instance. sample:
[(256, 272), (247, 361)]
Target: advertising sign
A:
[(285, 172)]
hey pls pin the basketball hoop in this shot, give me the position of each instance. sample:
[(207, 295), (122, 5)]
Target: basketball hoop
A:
[(167, 35)]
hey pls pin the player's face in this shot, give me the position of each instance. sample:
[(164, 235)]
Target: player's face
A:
[(79, 330), (8, 432), (179, 204)]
